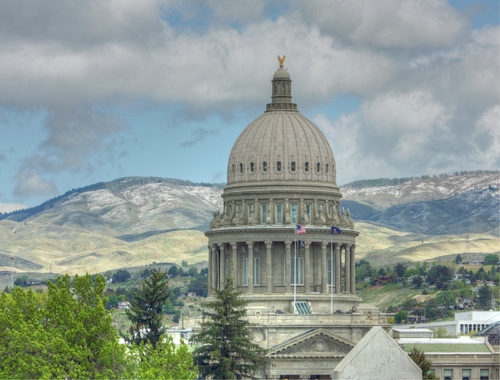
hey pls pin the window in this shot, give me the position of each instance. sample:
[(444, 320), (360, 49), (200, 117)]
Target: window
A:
[(245, 272), (297, 275), (278, 166), (279, 214), (293, 166), (256, 271), (448, 374), (233, 169), (252, 167), (327, 168), (282, 88), (264, 166), (241, 168), (263, 213), (306, 167), (484, 374), (466, 374), (294, 213), (308, 212), (318, 167), (329, 276)]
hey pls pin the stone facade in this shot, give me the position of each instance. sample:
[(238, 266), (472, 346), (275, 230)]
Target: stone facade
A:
[(300, 287)]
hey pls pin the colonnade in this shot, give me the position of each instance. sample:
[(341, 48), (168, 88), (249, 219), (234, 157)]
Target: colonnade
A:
[(222, 255)]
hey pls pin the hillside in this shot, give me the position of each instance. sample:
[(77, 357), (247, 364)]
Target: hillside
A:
[(138, 221)]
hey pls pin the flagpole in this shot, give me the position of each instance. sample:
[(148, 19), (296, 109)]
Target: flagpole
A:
[(295, 273), (331, 272)]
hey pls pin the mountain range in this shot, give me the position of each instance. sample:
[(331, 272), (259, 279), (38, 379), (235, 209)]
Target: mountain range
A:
[(141, 220)]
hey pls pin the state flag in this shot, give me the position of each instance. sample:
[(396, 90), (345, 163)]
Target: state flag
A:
[(336, 230)]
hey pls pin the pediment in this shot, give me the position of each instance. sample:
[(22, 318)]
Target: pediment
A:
[(315, 343)]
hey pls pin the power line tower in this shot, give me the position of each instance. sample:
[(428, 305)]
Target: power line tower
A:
[(467, 244)]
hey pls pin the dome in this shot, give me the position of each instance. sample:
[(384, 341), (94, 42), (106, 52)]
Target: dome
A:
[(281, 146), (281, 73)]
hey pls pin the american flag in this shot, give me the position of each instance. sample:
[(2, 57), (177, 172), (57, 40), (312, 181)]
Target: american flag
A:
[(300, 229)]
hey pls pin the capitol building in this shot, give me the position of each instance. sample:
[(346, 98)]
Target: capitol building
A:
[(275, 237)]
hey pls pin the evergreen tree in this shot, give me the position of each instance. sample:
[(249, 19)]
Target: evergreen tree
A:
[(146, 309), (425, 364), (225, 349), (484, 297)]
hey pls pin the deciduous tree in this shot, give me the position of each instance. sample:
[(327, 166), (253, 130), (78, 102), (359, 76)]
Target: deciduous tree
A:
[(421, 360)]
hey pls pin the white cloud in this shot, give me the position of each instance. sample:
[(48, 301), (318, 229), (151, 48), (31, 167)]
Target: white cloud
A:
[(30, 183), (486, 139), (9, 207), (387, 24)]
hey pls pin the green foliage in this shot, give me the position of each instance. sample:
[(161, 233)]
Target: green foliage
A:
[(146, 309), (20, 280), (445, 298), (424, 364), (184, 263), (484, 299), (199, 285), (173, 271), (417, 281), (225, 349), (401, 316), (64, 333), (164, 361), (121, 275), (492, 258), (458, 259), (400, 269), (193, 271), (441, 332)]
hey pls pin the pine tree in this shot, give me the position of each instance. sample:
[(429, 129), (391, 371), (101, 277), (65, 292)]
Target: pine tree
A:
[(146, 309), (225, 349)]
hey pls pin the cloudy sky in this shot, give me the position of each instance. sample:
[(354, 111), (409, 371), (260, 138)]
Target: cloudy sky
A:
[(94, 90)]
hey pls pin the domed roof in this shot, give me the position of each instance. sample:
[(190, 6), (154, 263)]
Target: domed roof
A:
[(281, 146), (281, 73)]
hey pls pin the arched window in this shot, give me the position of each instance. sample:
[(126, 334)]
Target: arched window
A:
[(282, 88), (264, 166), (318, 167), (306, 167), (293, 166), (327, 168), (278, 166), (241, 168), (252, 167), (233, 169)]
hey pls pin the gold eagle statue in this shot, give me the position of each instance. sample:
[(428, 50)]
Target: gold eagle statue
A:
[(281, 61)]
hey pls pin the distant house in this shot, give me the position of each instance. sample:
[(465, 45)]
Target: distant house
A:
[(123, 305), (33, 282)]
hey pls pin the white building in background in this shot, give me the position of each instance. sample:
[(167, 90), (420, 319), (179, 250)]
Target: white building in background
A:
[(463, 324)]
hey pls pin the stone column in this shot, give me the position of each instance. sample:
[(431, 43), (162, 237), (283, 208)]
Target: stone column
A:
[(353, 272), (213, 266), (210, 274), (269, 267), (288, 267), (338, 269), (250, 267), (324, 269), (222, 266), (307, 268), (234, 262), (347, 270)]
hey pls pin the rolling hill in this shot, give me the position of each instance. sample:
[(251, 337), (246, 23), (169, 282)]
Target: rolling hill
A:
[(138, 221)]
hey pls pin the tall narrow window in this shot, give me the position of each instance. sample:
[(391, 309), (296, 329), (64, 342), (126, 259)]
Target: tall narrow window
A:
[(327, 168), (233, 169), (263, 213), (466, 374), (282, 88), (308, 212), (279, 214), (278, 166), (293, 166), (448, 374), (264, 166), (484, 374), (245, 272), (306, 167), (256, 271), (330, 272), (294, 213), (297, 275), (318, 167), (252, 167), (241, 168)]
